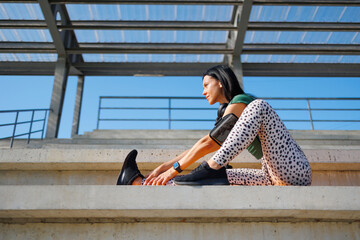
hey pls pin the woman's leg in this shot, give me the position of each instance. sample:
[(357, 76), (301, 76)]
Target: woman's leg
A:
[(284, 160), (246, 176), (130, 173)]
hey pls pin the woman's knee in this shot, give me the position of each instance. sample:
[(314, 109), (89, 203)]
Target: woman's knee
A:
[(258, 103)]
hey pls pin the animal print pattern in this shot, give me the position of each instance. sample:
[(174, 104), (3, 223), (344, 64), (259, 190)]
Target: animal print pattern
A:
[(249, 176), (283, 163)]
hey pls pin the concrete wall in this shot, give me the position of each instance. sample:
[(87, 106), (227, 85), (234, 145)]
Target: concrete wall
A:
[(64, 189), (100, 164), (125, 212), (180, 231)]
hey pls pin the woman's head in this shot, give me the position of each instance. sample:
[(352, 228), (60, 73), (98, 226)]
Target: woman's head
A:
[(226, 79)]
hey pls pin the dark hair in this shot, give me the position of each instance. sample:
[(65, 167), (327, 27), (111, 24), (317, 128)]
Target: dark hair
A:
[(228, 79)]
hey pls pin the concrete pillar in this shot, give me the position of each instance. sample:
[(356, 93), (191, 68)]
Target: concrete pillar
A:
[(57, 99), (240, 19), (237, 67), (78, 102)]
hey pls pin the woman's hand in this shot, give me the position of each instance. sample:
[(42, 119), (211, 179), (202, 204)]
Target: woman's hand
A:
[(163, 178), (154, 174)]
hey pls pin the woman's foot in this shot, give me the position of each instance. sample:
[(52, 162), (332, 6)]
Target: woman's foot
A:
[(138, 181), (129, 171), (203, 175)]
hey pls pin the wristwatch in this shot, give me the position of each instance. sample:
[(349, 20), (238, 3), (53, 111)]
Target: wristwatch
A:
[(176, 166)]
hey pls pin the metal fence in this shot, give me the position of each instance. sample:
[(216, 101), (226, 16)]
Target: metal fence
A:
[(298, 113), (25, 121)]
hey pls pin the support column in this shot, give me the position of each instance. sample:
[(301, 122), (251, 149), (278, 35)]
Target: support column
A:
[(240, 19), (78, 103), (57, 98), (237, 67)]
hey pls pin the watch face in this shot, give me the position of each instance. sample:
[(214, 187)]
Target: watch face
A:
[(176, 165)]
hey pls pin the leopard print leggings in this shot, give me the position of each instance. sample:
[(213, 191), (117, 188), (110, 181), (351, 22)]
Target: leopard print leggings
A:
[(283, 163)]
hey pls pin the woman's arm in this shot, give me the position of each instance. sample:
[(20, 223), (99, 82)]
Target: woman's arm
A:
[(202, 147), (164, 167), (235, 108)]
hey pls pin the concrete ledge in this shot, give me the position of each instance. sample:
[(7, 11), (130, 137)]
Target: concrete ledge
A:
[(196, 134), (110, 159), (163, 203), (182, 230), (86, 165), (178, 139)]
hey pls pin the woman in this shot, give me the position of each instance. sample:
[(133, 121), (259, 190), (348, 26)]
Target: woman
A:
[(259, 129)]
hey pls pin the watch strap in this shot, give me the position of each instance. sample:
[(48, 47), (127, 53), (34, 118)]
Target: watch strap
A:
[(176, 166)]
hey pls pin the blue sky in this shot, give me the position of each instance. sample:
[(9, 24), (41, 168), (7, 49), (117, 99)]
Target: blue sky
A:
[(23, 92)]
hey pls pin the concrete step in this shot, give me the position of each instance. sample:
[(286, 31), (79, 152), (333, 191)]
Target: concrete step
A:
[(104, 158), (144, 134), (107, 143), (306, 137), (96, 166), (65, 189), (90, 160), (99, 202), (178, 139), (182, 230), (127, 212), (196, 134)]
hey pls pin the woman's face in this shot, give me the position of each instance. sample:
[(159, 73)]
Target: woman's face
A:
[(213, 90)]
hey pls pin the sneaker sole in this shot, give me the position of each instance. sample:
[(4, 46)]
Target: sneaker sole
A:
[(215, 181)]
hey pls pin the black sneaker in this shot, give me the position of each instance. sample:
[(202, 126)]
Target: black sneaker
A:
[(203, 175), (129, 171)]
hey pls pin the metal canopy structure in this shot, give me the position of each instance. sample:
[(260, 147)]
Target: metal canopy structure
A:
[(184, 37), (176, 38)]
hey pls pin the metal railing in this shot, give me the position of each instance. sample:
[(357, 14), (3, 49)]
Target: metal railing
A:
[(305, 106), (312, 110), (33, 119)]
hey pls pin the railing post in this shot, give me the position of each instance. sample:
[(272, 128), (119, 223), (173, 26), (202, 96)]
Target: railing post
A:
[(30, 129), (78, 105), (98, 118), (169, 117), (311, 121), (43, 128), (12, 138), (57, 97)]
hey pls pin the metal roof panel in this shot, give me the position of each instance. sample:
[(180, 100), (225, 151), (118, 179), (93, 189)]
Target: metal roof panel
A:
[(305, 14), (29, 57), (151, 36), (153, 57), (149, 12), (272, 58), (310, 37), (25, 35), (28, 11)]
